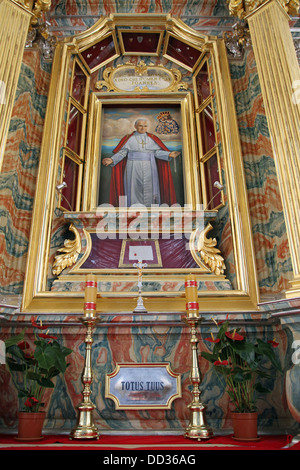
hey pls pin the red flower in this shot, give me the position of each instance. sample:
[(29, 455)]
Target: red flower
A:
[(234, 335), (221, 363), (23, 345), (223, 321), (30, 402), (212, 340), (273, 343), (40, 326), (44, 335)]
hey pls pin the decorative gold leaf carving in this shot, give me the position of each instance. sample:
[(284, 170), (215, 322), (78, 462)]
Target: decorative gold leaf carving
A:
[(69, 253), (141, 74), (242, 8), (209, 253)]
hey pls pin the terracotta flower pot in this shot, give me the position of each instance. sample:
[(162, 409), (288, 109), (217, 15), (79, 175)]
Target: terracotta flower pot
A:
[(31, 425), (244, 426)]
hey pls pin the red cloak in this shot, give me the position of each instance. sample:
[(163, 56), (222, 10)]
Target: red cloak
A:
[(166, 185)]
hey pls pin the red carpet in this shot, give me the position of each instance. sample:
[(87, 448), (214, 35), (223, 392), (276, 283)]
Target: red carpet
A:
[(179, 445)]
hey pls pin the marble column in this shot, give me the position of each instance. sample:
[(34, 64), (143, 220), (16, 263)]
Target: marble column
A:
[(279, 76), (14, 24)]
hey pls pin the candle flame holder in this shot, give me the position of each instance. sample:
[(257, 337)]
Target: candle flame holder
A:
[(85, 428), (197, 428)]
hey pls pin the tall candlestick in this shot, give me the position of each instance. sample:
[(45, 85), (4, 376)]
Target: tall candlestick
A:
[(90, 296), (85, 427), (191, 294), (197, 428)]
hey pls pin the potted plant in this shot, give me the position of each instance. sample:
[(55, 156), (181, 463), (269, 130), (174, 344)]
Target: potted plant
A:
[(242, 363), (33, 364)]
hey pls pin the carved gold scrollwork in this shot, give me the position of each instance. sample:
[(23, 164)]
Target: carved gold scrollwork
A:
[(69, 253), (206, 248), (141, 77), (242, 8), (36, 7)]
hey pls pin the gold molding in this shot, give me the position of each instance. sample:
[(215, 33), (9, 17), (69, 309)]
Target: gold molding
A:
[(189, 146), (242, 8), (278, 72), (14, 23), (36, 294), (141, 70), (142, 32)]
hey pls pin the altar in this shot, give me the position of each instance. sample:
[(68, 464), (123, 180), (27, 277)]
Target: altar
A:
[(142, 188)]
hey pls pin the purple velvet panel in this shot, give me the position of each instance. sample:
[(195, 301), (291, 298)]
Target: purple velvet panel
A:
[(105, 254)]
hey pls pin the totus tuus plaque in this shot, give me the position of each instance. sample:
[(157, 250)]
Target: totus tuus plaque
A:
[(143, 386)]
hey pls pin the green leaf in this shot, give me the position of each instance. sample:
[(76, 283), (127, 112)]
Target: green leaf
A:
[(241, 375), (267, 350), (45, 356), (45, 382), (14, 339), (209, 356), (60, 354), (245, 350), (15, 366), (33, 376)]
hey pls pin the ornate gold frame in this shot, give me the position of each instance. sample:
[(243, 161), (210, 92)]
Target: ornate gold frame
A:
[(36, 296), (141, 69), (191, 182)]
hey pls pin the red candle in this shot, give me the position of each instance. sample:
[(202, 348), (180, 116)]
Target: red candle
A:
[(191, 294), (90, 296)]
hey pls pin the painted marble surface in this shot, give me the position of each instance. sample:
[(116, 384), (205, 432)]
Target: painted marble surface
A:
[(19, 172), (18, 179), (273, 261), (120, 339), (135, 339)]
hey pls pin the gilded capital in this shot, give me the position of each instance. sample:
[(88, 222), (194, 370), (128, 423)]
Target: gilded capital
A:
[(36, 7), (27, 4), (242, 8)]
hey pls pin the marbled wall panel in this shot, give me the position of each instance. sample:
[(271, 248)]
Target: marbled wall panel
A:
[(19, 171), (269, 232), (136, 340), (191, 10)]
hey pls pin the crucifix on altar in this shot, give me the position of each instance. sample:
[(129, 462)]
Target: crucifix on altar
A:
[(140, 253)]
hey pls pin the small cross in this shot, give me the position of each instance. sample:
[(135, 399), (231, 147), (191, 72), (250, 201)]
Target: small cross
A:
[(140, 305)]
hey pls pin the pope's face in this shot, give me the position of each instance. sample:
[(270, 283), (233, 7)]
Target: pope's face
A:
[(142, 127)]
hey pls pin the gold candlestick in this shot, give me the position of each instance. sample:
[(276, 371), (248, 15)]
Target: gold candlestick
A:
[(197, 428), (85, 428)]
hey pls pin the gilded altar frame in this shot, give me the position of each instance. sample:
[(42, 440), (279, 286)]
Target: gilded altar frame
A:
[(98, 101), (37, 297)]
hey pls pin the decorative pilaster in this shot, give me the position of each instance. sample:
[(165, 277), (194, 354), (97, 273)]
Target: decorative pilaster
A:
[(279, 74), (15, 19), (14, 24)]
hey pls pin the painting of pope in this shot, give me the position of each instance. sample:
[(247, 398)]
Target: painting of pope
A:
[(140, 168)]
